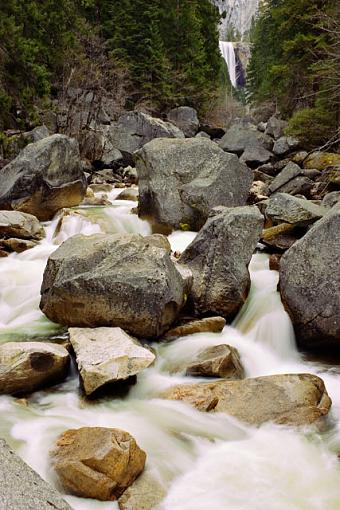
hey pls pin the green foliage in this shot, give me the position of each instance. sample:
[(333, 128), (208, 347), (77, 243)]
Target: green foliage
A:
[(294, 64)]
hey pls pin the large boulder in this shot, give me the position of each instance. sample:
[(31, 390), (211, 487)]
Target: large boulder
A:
[(185, 118), (28, 366), (219, 257), (241, 136), (107, 355), (293, 399), (120, 280), (45, 177), (20, 225), (296, 211), (96, 462), (310, 282), (22, 488), (180, 181), (135, 129)]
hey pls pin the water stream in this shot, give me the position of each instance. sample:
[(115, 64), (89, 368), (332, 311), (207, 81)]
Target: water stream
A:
[(205, 461)]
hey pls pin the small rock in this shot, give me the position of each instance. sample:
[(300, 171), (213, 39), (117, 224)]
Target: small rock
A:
[(29, 366), (258, 191), (146, 493), (276, 127), (218, 361), (18, 245), (107, 355), (207, 325), (331, 199), (129, 194), (285, 145), (274, 261), (281, 237), (255, 156), (284, 208), (97, 462), (20, 225)]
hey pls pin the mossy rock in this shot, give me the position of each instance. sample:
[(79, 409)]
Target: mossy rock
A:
[(321, 160)]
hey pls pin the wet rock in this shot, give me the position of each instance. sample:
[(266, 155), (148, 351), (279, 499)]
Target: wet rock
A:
[(207, 325), (129, 194), (45, 177), (20, 225), (284, 208), (310, 283), (218, 259), (274, 261), (135, 129), (185, 118), (280, 237), (29, 366), (145, 493), (180, 181), (22, 488), (91, 199), (255, 156), (96, 462), (331, 199), (18, 245), (105, 187), (107, 355), (130, 174), (217, 361), (292, 399), (285, 145), (239, 137), (321, 160), (120, 280), (276, 127)]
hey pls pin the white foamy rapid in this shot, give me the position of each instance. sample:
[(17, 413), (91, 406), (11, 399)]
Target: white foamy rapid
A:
[(228, 53), (204, 461)]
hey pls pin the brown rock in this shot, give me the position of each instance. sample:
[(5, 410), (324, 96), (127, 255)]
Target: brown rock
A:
[(217, 361), (293, 399), (96, 462), (18, 245), (274, 261), (207, 325)]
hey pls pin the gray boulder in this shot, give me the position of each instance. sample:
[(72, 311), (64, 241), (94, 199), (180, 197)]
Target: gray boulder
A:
[(20, 225), (331, 199), (107, 355), (127, 281), (135, 129), (28, 366), (276, 127), (310, 283), (241, 136), (22, 488), (285, 145), (218, 259), (217, 361), (180, 181), (290, 172), (286, 399), (146, 493), (255, 156), (296, 211), (185, 118), (45, 177)]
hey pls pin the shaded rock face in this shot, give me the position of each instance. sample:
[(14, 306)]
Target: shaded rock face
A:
[(127, 281), (95, 462), (20, 225), (256, 156), (135, 129), (285, 145), (291, 180), (297, 399), (207, 325), (107, 355), (275, 127), (296, 211), (185, 118), (218, 361), (310, 283), (45, 177), (29, 366), (219, 257), (145, 493), (180, 181), (240, 137), (22, 488)]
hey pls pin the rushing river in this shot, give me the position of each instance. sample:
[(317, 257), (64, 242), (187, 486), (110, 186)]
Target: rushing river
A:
[(204, 461)]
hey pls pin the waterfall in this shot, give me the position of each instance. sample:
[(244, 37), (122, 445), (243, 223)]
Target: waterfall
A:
[(228, 53)]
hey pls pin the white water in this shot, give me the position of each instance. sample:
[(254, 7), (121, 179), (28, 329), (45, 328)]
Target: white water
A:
[(228, 53), (206, 461)]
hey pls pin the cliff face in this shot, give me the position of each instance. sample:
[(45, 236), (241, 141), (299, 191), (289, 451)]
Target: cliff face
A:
[(238, 15)]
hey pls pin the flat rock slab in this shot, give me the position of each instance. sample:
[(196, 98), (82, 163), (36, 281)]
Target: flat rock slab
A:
[(207, 325), (289, 209), (21, 488), (293, 399), (107, 355)]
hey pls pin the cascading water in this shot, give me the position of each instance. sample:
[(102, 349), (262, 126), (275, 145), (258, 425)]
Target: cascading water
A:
[(204, 461), (228, 53)]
